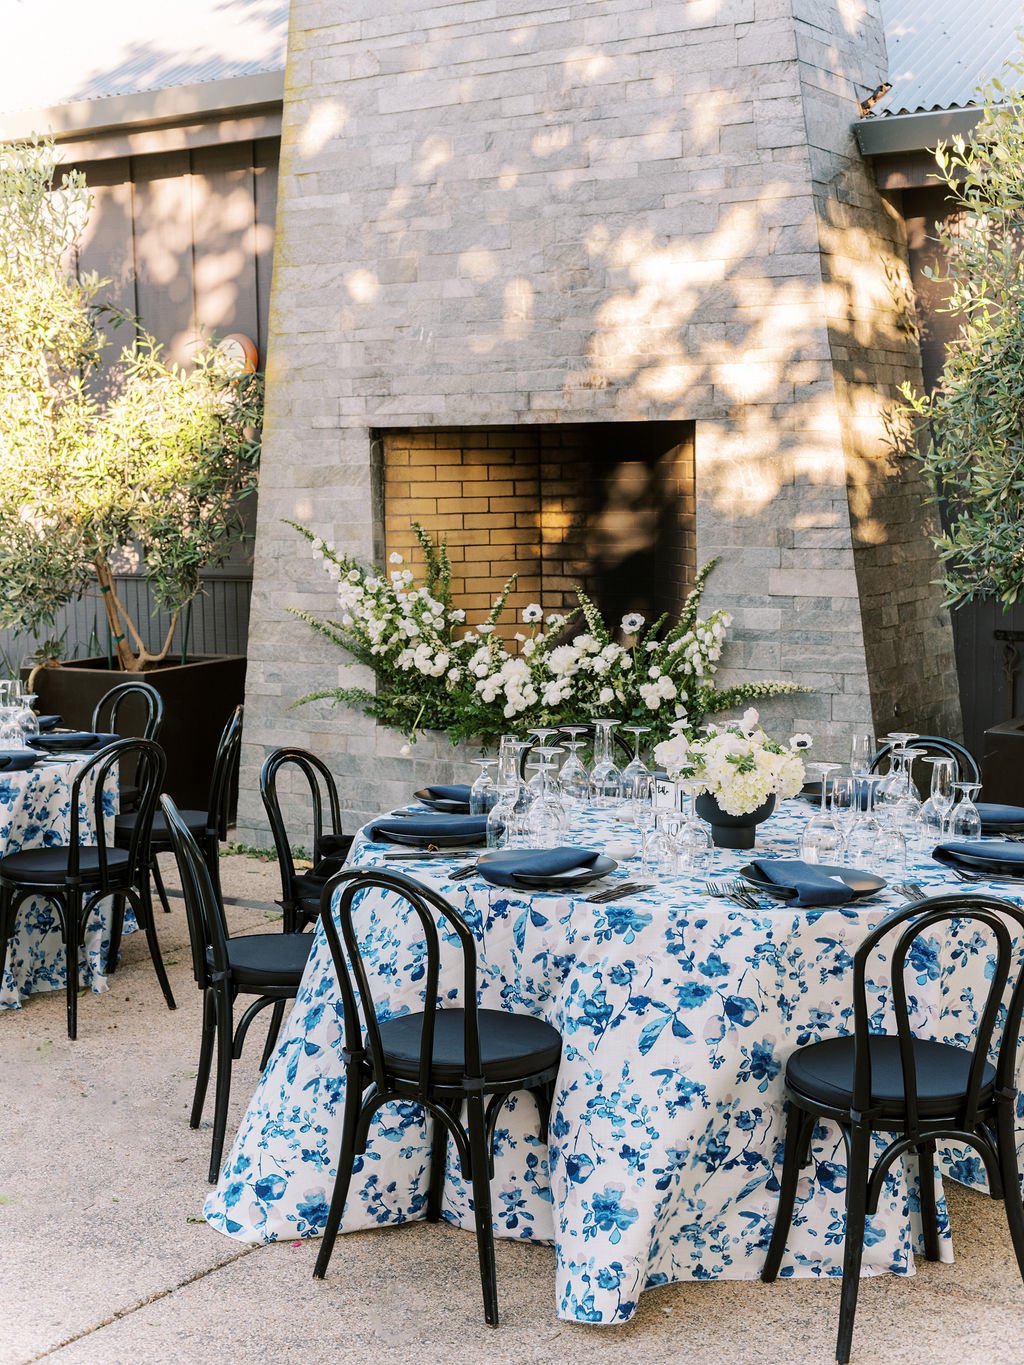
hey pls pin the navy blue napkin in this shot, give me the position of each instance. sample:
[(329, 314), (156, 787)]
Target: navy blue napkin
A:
[(978, 856), (996, 817), (72, 740), (429, 826), (505, 867), (458, 791), (16, 760), (811, 884), (47, 723)]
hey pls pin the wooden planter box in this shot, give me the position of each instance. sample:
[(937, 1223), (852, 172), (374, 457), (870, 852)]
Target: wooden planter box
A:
[(198, 698), (1002, 763)]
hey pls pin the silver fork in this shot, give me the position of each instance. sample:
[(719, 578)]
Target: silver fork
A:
[(912, 891), (733, 890), (615, 893)]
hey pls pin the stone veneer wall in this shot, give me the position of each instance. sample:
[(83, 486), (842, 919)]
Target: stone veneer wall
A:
[(633, 211)]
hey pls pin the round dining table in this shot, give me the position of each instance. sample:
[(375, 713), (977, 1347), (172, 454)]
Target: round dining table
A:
[(35, 812), (678, 1010)]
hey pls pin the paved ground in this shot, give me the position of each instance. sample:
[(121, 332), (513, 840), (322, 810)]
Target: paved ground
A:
[(103, 1256)]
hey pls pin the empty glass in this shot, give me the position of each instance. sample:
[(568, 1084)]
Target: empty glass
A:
[(690, 837), (605, 778), (864, 831), (862, 751), (636, 767), (965, 819), (500, 819), (546, 821), (573, 777), (483, 794), (935, 811), (821, 841)]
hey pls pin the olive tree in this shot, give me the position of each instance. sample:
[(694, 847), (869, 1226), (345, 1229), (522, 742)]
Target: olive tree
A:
[(974, 420), (95, 462)]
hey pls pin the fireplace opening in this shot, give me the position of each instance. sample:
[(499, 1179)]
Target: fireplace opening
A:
[(610, 506)]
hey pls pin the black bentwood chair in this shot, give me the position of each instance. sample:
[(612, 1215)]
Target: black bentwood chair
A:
[(137, 698), (440, 1058), (208, 827), (267, 966), (76, 877), (300, 892), (966, 766), (921, 1092)]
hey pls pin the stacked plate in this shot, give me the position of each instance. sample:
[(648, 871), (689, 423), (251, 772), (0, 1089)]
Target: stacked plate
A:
[(994, 859), (862, 884), (1000, 819)]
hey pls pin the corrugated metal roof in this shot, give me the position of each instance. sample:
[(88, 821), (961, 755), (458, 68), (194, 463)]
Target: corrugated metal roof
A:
[(59, 51), (941, 51)]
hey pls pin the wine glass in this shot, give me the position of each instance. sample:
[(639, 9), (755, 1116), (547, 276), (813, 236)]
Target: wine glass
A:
[(546, 820), (845, 806), (605, 778), (690, 836), (500, 820), (965, 818), (862, 751), (821, 841), (636, 767), (863, 833), (483, 794), (573, 777), (935, 811)]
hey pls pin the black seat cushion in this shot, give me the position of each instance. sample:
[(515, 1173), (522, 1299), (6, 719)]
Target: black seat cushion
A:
[(511, 1045), (49, 866), (124, 827), (824, 1072), (269, 960)]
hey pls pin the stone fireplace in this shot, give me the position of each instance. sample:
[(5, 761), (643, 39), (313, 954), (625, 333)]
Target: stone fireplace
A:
[(576, 288)]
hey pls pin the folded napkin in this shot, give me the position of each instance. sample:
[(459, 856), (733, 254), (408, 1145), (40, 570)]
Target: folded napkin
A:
[(429, 826), (458, 791), (996, 817), (48, 723), (80, 740), (972, 853), (329, 857), (17, 760), (505, 867), (811, 884)]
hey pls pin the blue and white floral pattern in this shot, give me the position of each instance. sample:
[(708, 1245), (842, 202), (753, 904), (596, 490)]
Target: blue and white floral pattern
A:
[(678, 1012), (35, 812)]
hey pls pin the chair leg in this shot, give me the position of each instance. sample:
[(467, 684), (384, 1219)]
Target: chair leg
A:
[(929, 1211), (72, 939), (8, 917), (142, 904), (1007, 1139), (222, 1092), (158, 882), (209, 1036), (797, 1123), (479, 1159), (276, 1019), (346, 1158), (438, 1162), (856, 1211)]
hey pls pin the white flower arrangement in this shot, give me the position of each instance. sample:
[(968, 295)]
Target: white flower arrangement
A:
[(433, 673), (738, 764)]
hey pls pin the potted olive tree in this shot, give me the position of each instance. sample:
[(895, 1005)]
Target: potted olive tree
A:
[(138, 458)]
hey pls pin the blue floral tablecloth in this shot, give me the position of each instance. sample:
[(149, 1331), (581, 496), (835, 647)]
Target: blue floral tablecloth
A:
[(678, 1012), (35, 812)]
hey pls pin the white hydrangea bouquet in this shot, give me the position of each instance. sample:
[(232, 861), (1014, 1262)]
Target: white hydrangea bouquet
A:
[(738, 764), (435, 671)]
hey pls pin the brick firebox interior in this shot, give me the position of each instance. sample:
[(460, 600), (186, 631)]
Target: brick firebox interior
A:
[(608, 506)]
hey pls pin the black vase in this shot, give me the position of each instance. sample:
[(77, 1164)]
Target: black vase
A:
[(732, 831)]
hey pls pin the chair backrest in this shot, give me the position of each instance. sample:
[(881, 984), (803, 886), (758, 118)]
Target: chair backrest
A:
[(324, 800), (224, 781), (137, 699), (358, 993), (207, 926), (912, 946), (966, 767), (149, 767)]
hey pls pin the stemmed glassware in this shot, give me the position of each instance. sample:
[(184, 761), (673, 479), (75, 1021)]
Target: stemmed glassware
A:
[(690, 838), (863, 832), (483, 794), (573, 777), (636, 768), (862, 751), (546, 820), (935, 811), (965, 818), (605, 778), (821, 840), (846, 801)]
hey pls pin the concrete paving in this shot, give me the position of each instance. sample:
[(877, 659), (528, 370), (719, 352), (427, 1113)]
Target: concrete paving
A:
[(104, 1256)]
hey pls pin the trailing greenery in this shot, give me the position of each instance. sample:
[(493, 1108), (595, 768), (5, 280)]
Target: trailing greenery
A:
[(974, 421), (433, 672), (140, 458)]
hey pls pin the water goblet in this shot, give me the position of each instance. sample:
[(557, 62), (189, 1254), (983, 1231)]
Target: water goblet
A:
[(691, 838), (500, 820), (573, 777), (890, 851), (636, 767), (483, 794), (845, 806), (820, 840), (965, 818), (935, 811), (863, 833), (862, 751), (605, 778), (546, 820)]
